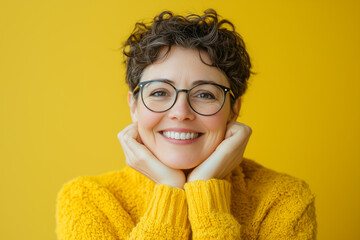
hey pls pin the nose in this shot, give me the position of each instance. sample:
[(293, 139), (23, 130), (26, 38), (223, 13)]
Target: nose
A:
[(181, 110)]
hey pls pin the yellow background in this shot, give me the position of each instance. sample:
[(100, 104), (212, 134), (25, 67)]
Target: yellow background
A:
[(63, 99)]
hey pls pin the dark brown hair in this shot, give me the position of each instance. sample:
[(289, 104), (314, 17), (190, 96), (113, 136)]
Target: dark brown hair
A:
[(225, 47)]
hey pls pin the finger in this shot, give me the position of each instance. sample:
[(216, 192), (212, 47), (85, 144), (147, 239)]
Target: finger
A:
[(124, 132), (127, 138), (238, 129), (137, 152), (231, 128), (133, 133), (130, 130), (143, 160), (129, 134)]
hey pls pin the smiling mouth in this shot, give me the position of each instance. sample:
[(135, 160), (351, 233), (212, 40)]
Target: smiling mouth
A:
[(181, 135)]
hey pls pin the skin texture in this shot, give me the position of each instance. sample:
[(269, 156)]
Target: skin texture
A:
[(214, 154)]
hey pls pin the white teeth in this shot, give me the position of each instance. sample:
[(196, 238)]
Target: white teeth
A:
[(177, 135), (182, 136)]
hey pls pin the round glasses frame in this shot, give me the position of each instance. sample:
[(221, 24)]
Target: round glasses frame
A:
[(142, 84)]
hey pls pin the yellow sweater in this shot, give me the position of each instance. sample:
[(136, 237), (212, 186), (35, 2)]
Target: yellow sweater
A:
[(253, 202)]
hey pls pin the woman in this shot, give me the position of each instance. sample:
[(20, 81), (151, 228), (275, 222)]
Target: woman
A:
[(186, 175)]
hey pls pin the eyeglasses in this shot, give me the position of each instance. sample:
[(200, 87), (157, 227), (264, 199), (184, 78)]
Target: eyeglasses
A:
[(205, 98)]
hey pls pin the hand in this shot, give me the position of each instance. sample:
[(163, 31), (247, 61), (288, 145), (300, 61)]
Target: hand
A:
[(140, 158), (227, 155)]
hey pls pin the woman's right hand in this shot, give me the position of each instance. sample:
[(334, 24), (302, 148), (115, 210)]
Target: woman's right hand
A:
[(140, 158)]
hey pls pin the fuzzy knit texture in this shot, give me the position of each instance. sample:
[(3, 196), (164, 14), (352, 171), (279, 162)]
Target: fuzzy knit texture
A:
[(253, 202)]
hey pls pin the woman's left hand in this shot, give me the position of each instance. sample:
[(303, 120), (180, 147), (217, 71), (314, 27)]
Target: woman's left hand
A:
[(227, 155)]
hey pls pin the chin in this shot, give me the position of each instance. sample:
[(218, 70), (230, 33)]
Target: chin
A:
[(177, 162)]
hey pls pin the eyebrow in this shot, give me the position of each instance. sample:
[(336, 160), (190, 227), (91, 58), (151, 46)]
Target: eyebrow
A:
[(193, 83)]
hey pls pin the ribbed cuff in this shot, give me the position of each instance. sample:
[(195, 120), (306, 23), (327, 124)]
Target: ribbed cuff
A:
[(168, 206), (213, 195)]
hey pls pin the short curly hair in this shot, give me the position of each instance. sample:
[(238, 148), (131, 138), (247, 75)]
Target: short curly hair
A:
[(225, 47)]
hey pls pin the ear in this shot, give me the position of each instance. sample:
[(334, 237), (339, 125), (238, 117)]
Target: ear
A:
[(132, 105), (235, 110)]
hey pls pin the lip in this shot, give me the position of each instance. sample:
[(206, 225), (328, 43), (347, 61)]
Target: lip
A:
[(180, 130), (181, 141)]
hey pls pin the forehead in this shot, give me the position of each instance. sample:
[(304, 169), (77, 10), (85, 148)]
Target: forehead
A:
[(184, 66)]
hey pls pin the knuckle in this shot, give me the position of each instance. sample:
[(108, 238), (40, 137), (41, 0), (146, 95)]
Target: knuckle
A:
[(244, 129), (125, 132), (248, 130), (124, 138), (121, 135)]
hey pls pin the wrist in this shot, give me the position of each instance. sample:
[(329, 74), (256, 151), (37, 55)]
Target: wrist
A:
[(175, 181), (213, 195)]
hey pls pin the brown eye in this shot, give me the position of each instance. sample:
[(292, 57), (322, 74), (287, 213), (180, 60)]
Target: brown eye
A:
[(158, 94), (206, 95)]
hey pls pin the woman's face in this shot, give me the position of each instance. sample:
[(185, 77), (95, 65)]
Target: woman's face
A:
[(183, 67)]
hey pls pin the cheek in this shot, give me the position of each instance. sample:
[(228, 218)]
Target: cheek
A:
[(218, 121), (216, 126), (147, 121)]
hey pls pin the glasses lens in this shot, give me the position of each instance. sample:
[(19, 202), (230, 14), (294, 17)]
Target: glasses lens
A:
[(206, 99), (158, 96)]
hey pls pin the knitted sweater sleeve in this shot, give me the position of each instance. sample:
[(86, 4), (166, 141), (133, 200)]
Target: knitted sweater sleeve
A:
[(87, 210), (209, 210), (291, 215), (287, 213)]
